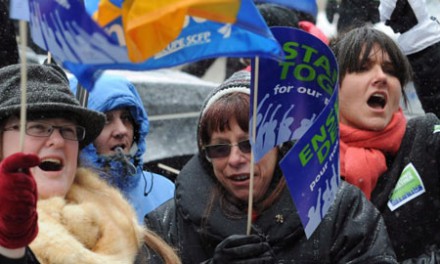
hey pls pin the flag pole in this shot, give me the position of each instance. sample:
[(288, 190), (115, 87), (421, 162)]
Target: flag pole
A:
[(23, 81), (253, 135)]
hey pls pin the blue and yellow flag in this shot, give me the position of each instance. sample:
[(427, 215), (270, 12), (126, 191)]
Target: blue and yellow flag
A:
[(149, 26), (84, 47)]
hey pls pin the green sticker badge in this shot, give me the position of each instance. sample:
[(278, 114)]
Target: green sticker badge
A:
[(408, 187)]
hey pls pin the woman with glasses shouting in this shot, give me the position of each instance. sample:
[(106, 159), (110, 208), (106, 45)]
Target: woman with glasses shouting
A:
[(52, 210), (207, 219)]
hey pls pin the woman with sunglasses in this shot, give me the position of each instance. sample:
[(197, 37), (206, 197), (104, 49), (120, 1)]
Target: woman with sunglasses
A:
[(51, 209), (207, 220)]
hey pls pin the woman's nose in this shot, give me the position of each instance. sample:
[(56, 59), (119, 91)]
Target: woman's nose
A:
[(119, 128), (56, 138), (236, 156), (380, 76)]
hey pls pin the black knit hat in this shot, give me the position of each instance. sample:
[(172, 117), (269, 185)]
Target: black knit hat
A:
[(239, 82), (48, 94)]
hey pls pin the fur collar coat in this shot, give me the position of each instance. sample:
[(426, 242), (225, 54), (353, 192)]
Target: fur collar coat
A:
[(92, 224)]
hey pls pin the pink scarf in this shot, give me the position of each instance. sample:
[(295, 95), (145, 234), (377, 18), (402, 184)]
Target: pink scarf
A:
[(362, 152)]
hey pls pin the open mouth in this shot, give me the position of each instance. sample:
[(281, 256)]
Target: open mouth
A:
[(377, 101), (51, 165), (240, 178)]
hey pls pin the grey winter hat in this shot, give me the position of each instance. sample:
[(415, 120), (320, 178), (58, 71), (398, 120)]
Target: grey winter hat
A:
[(48, 95), (238, 82)]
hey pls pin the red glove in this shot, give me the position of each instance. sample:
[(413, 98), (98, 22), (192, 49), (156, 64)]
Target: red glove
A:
[(18, 201)]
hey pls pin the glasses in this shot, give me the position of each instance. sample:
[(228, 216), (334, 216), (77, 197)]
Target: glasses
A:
[(223, 150), (39, 129)]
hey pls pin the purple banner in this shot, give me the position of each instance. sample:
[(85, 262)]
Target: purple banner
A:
[(297, 101)]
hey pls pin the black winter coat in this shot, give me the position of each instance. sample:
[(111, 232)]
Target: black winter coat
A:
[(352, 232), (426, 68), (416, 224), (28, 258)]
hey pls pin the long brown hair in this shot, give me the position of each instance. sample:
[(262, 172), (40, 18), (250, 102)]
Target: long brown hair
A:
[(157, 244)]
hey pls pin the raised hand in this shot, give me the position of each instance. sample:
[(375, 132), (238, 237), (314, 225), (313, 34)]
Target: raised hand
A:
[(18, 200)]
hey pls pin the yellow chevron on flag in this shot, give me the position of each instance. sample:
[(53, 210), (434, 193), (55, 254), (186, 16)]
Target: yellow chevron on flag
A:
[(151, 25), (106, 13)]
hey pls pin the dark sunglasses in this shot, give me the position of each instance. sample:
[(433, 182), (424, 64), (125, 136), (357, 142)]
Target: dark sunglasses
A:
[(223, 150)]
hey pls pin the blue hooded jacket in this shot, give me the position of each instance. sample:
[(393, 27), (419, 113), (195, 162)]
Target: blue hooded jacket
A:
[(145, 190)]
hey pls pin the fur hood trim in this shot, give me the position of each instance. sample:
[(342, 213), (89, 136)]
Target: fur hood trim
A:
[(92, 224)]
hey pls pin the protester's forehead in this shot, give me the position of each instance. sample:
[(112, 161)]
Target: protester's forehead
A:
[(121, 109), (59, 115), (375, 50), (122, 112), (43, 118)]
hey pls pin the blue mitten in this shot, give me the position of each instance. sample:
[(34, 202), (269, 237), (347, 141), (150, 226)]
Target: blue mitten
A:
[(410, 18)]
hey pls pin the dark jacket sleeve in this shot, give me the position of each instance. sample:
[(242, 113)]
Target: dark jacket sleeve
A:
[(5, 260), (147, 255), (431, 256), (426, 68), (28, 258), (360, 232), (162, 221)]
